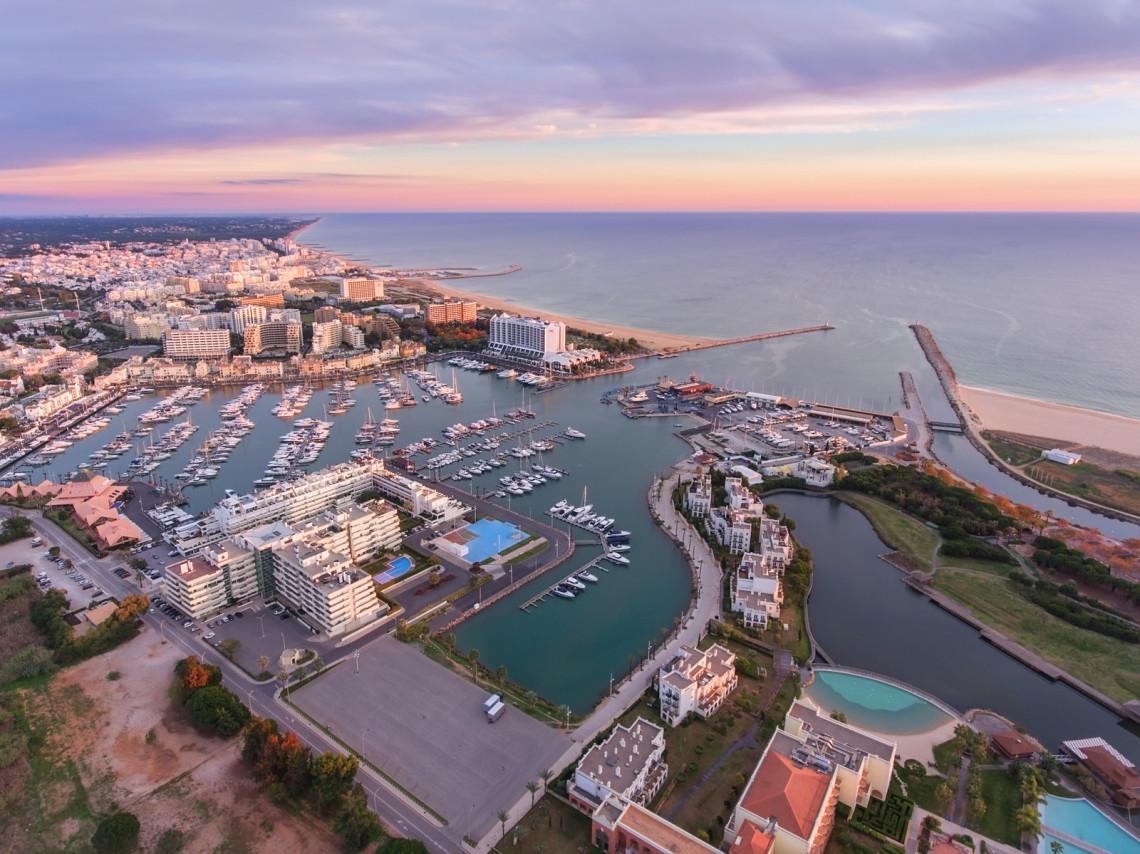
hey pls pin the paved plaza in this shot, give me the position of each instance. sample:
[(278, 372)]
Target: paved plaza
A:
[(424, 726)]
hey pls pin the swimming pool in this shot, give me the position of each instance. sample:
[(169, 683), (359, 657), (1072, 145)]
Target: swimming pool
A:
[(875, 704), (398, 566), (1079, 819)]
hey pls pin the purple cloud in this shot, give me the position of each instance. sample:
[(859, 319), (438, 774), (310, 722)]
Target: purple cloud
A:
[(121, 77)]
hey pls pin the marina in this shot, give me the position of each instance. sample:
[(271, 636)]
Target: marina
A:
[(578, 581)]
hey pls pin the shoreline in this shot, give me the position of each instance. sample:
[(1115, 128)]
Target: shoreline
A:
[(1015, 413)]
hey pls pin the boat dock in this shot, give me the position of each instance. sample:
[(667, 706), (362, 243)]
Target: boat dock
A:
[(596, 563)]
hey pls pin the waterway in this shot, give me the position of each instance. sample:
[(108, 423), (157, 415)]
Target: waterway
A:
[(863, 615)]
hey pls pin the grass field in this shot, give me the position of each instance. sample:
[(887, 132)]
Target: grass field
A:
[(1014, 453), (976, 564), (1092, 482), (1000, 792), (551, 827), (898, 530), (1110, 665)]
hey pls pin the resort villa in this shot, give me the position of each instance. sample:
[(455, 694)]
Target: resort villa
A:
[(698, 495), (757, 591), (696, 682), (1110, 767), (812, 764), (629, 765)]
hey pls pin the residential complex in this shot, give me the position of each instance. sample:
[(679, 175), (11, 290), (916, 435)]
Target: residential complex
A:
[(327, 335), (312, 565), (812, 764), (273, 336), (629, 764), (196, 343), (626, 827), (451, 311), (698, 495), (696, 682)]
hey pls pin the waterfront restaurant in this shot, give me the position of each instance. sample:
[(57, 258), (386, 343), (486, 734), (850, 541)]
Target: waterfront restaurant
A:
[(1109, 766)]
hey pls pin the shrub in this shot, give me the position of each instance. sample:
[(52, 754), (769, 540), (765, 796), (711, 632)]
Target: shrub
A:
[(170, 841), (117, 833), (217, 711)]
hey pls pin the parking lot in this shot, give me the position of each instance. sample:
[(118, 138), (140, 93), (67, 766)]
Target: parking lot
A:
[(80, 589), (259, 631), (425, 727)]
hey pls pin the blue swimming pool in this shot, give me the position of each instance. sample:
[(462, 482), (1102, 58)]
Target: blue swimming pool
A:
[(875, 704), (490, 536), (397, 567), (1079, 819)]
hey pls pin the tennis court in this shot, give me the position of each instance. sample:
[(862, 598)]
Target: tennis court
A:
[(482, 539)]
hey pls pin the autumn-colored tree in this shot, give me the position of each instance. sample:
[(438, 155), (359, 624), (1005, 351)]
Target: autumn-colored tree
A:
[(195, 674), (256, 736), (132, 606)]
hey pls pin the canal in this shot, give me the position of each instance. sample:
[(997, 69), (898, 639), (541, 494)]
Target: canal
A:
[(863, 615)]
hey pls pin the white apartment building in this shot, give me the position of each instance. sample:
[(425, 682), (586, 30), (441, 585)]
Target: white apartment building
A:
[(353, 336), (332, 595), (196, 343), (244, 315), (757, 594), (195, 587), (732, 529), (526, 337), (629, 764), (49, 400), (272, 336), (327, 336), (698, 495), (696, 682), (360, 289), (417, 498), (213, 320)]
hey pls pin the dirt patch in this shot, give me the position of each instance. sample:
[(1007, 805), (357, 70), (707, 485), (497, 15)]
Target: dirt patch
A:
[(121, 742)]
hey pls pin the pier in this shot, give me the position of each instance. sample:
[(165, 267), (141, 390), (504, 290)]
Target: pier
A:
[(596, 563), (744, 339)]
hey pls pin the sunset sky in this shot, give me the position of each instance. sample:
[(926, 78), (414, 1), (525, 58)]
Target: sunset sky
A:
[(156, 106)]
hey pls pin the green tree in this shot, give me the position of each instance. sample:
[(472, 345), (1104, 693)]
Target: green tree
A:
[(217, 711), (229, 647), (116, 834), (354, 822), (333, 774), (170, 841), (532, 787), (1027, 820), (943, 795), (473, 657)]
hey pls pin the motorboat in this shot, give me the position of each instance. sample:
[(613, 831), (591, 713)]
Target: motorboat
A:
[(575, 583), (563, 591), (586, 575), (619, 559)]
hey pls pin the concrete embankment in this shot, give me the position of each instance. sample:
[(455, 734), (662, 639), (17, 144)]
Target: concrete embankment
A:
[(949, 381), (1011, 647), (745, 339)]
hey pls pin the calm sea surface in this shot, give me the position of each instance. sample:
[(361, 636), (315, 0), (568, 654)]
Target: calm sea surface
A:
[(1042, 305)]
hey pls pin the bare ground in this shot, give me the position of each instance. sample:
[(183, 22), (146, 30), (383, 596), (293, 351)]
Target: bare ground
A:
[(131, 748)]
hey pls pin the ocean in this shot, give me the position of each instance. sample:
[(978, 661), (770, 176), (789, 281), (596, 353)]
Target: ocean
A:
[(1044, 305)]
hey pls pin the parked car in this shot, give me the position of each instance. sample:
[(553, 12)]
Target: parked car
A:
[(208, 635)]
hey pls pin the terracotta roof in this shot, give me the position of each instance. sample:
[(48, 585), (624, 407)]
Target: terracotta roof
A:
[(750, 839), (787, 792), (659, 833), (117, 531), (1112, 770), (1014, 745)]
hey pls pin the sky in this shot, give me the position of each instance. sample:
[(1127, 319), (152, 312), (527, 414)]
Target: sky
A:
[(152, 106)]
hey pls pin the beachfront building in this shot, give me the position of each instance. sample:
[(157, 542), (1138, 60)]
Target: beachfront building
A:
[(698, 495), (529, 338), (451, 311), (629, 764), (625, 827), (196, 343), (757, 593), (360, 289), (1110, 767), (696, 682), (327, 336)]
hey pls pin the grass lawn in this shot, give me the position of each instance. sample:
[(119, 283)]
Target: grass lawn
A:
[(920, 787), (1014, 453), (550, 827), (67, 523), (897, 529), (946, 756), (1105, 486), (993, 567), (517, 556), (1110, 665), (1000, 792)]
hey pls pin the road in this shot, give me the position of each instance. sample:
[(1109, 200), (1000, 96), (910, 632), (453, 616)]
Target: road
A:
[(397, 811)]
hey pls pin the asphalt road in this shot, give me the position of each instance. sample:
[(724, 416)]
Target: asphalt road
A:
[(387, 802)]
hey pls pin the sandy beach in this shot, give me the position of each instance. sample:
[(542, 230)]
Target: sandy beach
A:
[(648, 338), (1016, 414)]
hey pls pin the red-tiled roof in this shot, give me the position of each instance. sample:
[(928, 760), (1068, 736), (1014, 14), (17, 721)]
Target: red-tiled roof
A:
[(750, 839), (791, 794)]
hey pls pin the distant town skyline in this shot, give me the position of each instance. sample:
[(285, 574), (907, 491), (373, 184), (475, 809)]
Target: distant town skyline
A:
[(125, 108)]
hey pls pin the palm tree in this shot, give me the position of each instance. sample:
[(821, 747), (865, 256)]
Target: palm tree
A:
[(1027, 820), (473, 657), (1056, 847), (545, 775), (503, 821), (532, 787), (262, 663), (931, 824)]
